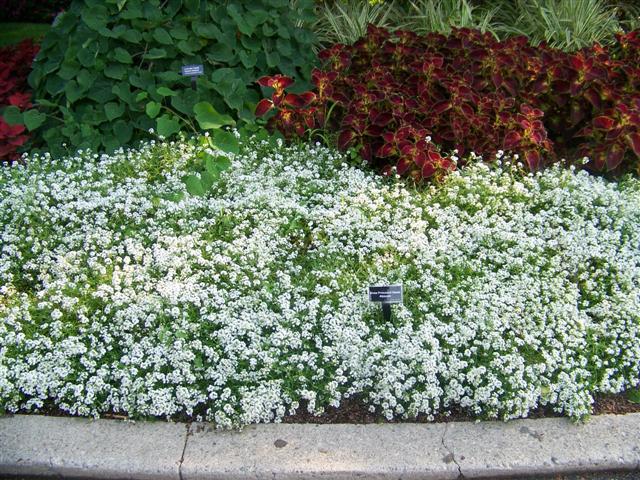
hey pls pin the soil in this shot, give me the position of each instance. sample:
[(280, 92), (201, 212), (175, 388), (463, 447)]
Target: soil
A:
[(353, 410)]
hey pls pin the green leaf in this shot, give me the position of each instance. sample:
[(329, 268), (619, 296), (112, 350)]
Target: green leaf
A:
[(194, 185), (207, 180), (209, 118), (166, 92), (284, 47), (132, 12), (239, 17), (197, 362), (211, 167), (220, 52), (116, 71), (217, 164), (69, 70), (152, 109), (85, 79), (33, 119), (123, 131), (121, 55), (186, 47), (87, 57), (13, 116), (94, 19), (225, 141), (113, 110), (179, 32), (206, 30), (634, 395), (155, 53), (73, 91), (273, 59), (132, 36), (248, 59), (162, 36), (123, 91), (167, 126), (141, 96)]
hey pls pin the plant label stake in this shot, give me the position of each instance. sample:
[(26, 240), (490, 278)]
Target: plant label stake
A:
[(385, 295), (193, 71)]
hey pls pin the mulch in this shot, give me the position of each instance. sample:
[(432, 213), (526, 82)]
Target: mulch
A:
[(354, 410)]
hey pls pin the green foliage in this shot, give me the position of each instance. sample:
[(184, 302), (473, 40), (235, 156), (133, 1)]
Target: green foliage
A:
[(634, 395), (110, 70), (345, 21), (440, 16), (562, 24), (210, 165)]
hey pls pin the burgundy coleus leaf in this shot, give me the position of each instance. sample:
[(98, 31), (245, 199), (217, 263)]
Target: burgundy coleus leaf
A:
[(466, 109), (496, 78), (338, 98), (385, 150), (633, 139), (366, 152), (380, 119), (448, 164), (434, 157), (346, 138), (263, 107), (614, 157), (294, 100), (511, 140), (419, 158), (533, 159), (603, 122), (428, 170), (309, 117), (277, 82), (613, 134), (537, 137), (441, 107), (20, 100), (593, 97), (403, 165)]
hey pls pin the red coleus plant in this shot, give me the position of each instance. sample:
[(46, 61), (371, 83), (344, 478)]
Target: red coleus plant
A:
[(15, 66), (470, 92)]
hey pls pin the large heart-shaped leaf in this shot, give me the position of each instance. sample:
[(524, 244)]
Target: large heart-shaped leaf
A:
[(167, 126), (209, 118), (194, 185), (225, 141), (152, 109)]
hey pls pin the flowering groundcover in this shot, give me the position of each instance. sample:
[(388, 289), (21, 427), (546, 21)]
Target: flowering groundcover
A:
[(122, 293)]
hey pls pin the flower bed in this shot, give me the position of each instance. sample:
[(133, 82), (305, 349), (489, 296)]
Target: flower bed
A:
[(121, 293)]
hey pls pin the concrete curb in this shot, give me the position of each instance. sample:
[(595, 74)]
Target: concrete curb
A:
[(109, 449)]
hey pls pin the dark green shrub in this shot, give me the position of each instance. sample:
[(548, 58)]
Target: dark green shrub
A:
[(109, 70)]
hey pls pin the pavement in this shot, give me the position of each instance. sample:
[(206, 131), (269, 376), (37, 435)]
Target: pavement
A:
[(44, 446)]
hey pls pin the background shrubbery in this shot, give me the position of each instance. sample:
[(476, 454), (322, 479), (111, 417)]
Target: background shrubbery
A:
[(386, 93), (109, 71), (15, 65)]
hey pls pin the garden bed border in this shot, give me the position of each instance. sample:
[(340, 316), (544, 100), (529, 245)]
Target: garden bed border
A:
[(45, 446)]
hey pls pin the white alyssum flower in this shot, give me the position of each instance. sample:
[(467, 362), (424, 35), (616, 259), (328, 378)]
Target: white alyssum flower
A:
[(120, 294)]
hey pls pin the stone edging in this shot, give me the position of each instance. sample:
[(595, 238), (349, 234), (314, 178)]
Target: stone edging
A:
[(33, 445)]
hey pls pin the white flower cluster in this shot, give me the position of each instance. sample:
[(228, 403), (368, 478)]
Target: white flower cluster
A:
[(240, 306)]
